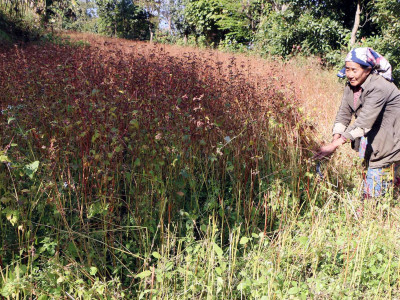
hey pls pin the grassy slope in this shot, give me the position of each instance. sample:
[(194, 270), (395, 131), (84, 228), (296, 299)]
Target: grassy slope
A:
[(219, 230)]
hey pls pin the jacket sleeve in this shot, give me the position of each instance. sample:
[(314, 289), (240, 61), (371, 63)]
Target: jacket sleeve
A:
[(343, 117), (373, 105)]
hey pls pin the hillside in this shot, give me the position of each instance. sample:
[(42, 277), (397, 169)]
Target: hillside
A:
[(135, 170)]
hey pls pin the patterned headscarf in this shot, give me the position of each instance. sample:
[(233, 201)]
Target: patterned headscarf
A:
[(369, 58)]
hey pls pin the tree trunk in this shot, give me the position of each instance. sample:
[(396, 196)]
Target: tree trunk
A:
[(170, 24), (356, 24), (279, 7)]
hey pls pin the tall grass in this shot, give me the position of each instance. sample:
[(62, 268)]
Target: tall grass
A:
[(133, 172)]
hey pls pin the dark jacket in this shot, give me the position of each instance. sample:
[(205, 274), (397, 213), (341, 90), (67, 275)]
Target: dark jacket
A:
[(377, 114)]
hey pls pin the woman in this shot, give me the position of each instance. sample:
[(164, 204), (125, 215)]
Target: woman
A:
[(374, 100)]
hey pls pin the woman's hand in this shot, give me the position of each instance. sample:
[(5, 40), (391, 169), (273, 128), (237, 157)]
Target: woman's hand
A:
[(328, 150), (335, 137)]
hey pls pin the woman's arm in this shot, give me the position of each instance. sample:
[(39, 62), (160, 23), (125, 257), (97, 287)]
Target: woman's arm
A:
[(373, 105), (328, 150), (335, 137), (344, 114)]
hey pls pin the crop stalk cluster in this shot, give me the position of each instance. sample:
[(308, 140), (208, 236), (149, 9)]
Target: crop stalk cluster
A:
[(144, 174)]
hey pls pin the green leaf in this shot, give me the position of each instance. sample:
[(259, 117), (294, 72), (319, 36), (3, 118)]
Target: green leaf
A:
[(134, 123), (10, 120), (137, 162), (5, 200), (4, 158), (218, 250), (309, 175), (95, 136), (31, 169), (340, 241), (303, 240), (244, 240), (93, 271), (12, 216), (242, 286), (72, 250), (294, 290), (156, 255), (143, 274), (379, 256)]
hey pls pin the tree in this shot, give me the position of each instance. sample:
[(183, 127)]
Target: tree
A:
[(239, 19), (172, 12), (218, 20), (385, 15), (356, 24), (17, 7), (79, 17), (203, 16), (123, 18), (300, 27)]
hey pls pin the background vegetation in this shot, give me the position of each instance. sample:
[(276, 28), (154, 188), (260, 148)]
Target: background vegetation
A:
[(142, 170), (280, 28)]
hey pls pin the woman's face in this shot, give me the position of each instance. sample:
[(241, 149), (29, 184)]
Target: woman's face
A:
[(356, 74)]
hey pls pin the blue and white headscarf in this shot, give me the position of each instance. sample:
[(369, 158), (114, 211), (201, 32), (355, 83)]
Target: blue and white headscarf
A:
[(369, 58)]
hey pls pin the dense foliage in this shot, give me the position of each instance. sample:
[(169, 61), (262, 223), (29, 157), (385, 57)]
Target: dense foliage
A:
[(123, 19), (386, 15)]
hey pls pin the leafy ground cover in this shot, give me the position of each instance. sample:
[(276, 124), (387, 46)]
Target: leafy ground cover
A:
[(132, 170)]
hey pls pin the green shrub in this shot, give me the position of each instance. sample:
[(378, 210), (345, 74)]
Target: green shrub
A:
[(284, 33), (19, 28)]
